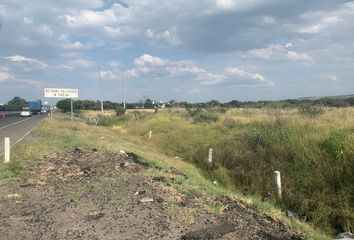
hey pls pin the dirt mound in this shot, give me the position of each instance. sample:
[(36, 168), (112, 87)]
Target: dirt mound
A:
[(104, 195)]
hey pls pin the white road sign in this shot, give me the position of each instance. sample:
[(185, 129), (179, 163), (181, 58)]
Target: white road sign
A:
[(61, 93)]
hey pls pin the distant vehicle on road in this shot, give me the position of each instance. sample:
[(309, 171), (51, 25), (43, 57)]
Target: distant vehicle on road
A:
[(25, 113), (35, 107)]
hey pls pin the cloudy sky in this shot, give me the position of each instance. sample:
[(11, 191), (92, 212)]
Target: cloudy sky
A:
[(177, 49)]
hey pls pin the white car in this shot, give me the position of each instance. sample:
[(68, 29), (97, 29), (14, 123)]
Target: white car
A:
[(25, 113)]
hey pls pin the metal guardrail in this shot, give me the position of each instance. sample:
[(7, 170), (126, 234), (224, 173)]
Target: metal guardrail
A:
[(6, 114)]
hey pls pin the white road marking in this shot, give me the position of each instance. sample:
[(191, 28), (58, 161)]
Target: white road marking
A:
[(22, 138), (18, 122)]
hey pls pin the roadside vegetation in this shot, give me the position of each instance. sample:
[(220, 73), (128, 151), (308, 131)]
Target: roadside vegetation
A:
[(312, 147), (60, 134)]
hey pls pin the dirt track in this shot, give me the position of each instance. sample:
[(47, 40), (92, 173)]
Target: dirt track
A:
[(101, 195)]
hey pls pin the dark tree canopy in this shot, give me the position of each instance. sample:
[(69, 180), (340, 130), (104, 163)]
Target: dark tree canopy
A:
[(16, 103), (148, 104)]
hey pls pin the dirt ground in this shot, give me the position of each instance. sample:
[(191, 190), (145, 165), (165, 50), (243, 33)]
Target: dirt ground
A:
[(102, 195)]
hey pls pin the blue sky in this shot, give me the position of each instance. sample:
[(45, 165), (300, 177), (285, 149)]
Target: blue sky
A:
[(178, 49)]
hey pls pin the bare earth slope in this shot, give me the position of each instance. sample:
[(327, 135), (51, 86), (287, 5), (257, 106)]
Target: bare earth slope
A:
[(103, 195)]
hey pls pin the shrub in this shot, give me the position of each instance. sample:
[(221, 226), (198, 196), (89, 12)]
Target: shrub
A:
[(266, 134), (310, 110), (206, 117), (120, 111), (201, 115), (107, 121), (334, 145)]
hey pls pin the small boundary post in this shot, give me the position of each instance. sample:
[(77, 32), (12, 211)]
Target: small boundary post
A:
[(72, 110), (277, 180), (210, 157), (7, 149), (150, 135)]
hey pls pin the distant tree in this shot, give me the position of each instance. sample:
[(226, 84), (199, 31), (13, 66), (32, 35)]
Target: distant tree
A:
[(64, 105), (212, 103), (16, 103), (109, 105), (148, 104)]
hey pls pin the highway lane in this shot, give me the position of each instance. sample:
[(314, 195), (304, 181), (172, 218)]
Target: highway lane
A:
[(17, 128), (9, 120)]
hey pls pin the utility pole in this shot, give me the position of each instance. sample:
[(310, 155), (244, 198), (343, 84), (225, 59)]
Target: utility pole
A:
[(123, 90), (100, 85)]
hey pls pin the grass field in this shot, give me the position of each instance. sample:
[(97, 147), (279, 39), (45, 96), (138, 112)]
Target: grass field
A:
[(313, 150), (313, 153)]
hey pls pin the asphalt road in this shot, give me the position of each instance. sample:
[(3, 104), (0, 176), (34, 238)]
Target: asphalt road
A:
[(17, 128)]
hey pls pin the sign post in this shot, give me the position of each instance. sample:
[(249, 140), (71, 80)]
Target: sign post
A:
[(63, 93)]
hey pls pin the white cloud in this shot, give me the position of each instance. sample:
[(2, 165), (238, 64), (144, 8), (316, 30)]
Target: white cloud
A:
[(10, 81), (225, 4), (268, 20), (108, 75), (29, 64), (332, 78), (168, 36), (241, 73), (22, 59), (148, 60), (28, 20), (91, 18), (81, 63), (148, 66), (318, 21), (5, 75), (280, 52)]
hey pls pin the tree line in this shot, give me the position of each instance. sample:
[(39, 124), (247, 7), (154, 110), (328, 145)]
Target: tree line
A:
[(17, 103)]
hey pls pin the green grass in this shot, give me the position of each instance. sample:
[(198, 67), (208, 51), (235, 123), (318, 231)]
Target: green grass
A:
[(168, 129)]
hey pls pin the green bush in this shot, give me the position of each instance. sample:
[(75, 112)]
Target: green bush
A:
[(120, 111), (334, 145), (205, 117), (200, 115), (107, 121), (267, 134)]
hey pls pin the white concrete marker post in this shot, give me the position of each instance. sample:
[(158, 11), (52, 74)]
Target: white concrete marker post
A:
[(210, 157), (7, 150), (72, 110), (150, 135), (277, 180)]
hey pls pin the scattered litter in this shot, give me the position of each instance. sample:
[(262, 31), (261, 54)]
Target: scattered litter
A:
[(176, 157), (146, 200), (345, 236), (14, 196), (102, 137), (141, 192), (23, 185), (216, 183), (94, 215)]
